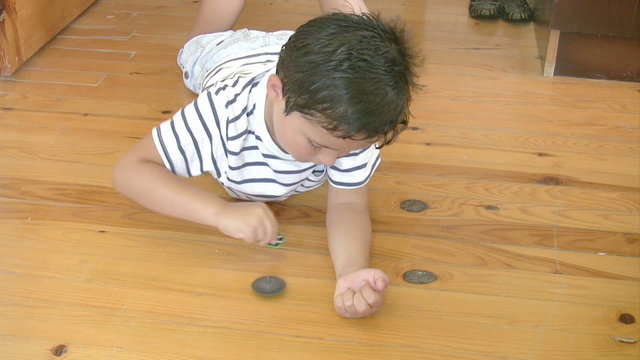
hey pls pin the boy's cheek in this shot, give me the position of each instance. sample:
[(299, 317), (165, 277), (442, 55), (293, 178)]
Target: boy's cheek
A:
[(299, 152)]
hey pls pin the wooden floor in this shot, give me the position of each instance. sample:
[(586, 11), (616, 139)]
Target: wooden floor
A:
[(532, 185)]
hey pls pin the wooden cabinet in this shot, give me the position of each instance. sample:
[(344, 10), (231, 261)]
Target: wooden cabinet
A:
[(589, 38), (26, 25)]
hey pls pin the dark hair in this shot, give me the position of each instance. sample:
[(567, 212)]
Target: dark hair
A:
[(353, 74)]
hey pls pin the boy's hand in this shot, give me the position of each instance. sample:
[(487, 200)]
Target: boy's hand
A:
[(360, 293), (252, 222)]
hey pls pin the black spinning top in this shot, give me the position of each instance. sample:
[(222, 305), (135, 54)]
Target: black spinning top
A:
[(268, 285)]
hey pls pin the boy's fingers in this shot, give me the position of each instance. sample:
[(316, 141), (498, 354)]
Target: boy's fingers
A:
[(352, 304), (364, 301), (338, 303), (361, 305), (380, 280), (345, 303), (373, 298), (348, 298)]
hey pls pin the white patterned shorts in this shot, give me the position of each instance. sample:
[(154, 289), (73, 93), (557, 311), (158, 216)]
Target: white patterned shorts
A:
[(203, 52)]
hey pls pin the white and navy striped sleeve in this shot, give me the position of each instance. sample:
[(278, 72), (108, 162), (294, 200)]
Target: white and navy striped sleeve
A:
[(191, 141), (354, 169)]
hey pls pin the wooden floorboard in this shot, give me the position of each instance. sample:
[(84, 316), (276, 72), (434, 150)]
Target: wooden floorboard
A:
[(532, 226)]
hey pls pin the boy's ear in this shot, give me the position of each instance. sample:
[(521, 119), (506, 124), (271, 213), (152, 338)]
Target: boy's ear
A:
[(274, 87)]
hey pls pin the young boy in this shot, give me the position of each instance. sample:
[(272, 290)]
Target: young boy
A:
[(277, 114)]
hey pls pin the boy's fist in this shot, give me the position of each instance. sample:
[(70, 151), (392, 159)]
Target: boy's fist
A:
[(252, 222), (360, 293)]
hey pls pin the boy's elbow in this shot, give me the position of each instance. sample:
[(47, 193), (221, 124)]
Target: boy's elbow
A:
[(121, 175), (118, 176), (127, 172)]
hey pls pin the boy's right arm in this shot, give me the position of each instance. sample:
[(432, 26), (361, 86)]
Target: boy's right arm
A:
[(142, 176)]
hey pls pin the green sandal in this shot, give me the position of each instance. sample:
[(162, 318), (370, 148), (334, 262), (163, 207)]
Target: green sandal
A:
[(516, 11), (484, 9)]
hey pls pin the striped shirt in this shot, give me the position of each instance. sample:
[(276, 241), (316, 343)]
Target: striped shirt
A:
[(223, 132)]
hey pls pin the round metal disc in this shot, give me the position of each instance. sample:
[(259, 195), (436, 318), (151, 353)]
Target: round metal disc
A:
[(413, 205), (419, 277), (268, 285)]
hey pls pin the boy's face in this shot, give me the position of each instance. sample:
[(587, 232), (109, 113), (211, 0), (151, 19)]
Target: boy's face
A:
[(307, 141), (303, 138)]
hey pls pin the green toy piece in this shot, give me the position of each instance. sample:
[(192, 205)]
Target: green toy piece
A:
[(278, 243)]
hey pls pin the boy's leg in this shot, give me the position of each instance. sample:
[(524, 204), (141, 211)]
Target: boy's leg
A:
[(220, 15), (216, 16), (348, 6)]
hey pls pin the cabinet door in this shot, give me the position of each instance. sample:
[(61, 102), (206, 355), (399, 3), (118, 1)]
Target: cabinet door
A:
[(26, 25)]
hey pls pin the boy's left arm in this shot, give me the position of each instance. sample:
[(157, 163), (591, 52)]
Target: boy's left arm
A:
[(359, 289)]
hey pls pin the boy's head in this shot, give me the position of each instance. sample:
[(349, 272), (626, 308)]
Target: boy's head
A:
[(352, 74)]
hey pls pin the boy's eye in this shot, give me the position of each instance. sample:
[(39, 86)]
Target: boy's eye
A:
[(314, 145)]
